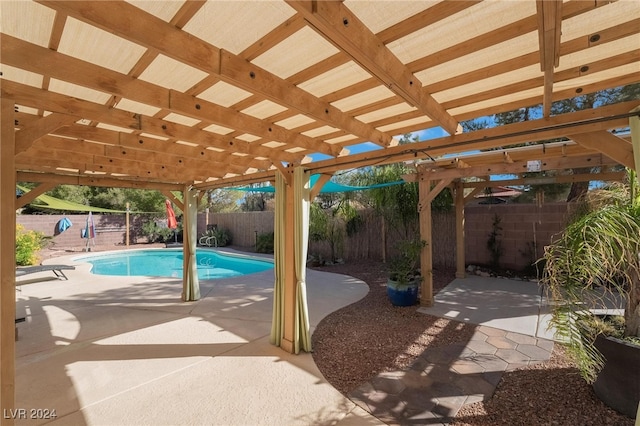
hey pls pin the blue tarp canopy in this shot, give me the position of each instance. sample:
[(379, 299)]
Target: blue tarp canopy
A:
[(329, 187)]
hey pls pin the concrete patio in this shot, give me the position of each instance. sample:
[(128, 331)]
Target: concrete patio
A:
[(126, 350), (121, 351)]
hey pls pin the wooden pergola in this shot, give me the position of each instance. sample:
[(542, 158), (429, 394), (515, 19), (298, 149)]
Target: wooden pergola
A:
[(192, 95)]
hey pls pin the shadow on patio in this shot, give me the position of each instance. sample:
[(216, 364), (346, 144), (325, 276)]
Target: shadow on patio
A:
[(116, 351)]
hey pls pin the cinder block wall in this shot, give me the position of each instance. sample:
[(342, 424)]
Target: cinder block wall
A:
[(526, 229), (110, 229)]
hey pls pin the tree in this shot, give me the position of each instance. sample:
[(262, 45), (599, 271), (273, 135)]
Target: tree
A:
[(256, 200), (223, 200), (140, 200)]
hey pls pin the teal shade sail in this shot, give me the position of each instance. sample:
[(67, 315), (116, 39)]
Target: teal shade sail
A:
[(329, 187)]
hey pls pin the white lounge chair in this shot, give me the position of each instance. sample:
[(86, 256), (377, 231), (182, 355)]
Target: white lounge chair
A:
[(56, 269)]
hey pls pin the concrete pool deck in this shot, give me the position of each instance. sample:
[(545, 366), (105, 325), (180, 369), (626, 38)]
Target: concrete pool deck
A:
[(126, 350)]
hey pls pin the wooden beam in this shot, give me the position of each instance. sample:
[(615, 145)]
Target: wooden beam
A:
[(34, 97), (150, 144), (34, 193), (134, 24), (433, 193), (471, 196), (317, 187), (175, 200), (8, 258), (547, 128), (186, 12), (283, 169), (254, 79), (25, 138), (544, 180), (429, 16), (549, 30), (274, 37), (492, 108), (58, 146), (142, 28), (460, 164), (499, 35), (590, 160), (573, 46), (99, 181), (247, 123), (521, 153), (67, 68), (247, 179), (341, 27), (38, 158), (609, 144)]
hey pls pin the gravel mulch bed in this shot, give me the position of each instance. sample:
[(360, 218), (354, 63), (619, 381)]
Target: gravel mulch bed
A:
[(361, 340)]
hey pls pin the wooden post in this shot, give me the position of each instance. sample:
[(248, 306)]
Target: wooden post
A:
[(290, 283), (634, 124), (426, 256), (127, 225), (460, 255), (186, 252), (8, 259)]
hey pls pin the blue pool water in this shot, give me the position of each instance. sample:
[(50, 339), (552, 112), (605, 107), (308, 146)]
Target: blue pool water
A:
[(168, 263)]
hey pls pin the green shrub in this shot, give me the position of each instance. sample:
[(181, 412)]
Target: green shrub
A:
[(28, 243), (264, 243), (222, 237), (158, 234)]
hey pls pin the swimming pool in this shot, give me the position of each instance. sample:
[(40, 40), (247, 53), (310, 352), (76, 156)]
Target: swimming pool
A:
[(168, 263)]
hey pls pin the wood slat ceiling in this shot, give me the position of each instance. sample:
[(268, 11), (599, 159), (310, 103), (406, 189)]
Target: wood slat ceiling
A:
[(216, 92)]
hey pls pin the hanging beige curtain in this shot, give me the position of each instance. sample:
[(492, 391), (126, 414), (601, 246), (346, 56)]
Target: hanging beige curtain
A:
[(190, 282), (300, 221), (301, 236), (279, 226)]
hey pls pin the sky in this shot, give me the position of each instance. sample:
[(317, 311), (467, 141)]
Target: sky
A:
[(433, 133)]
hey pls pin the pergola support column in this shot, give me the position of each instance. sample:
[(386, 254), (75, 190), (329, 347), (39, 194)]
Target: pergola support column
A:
[(290, 326), (8, 259), (426, 256), (425, 196), (190, 281), (634, 124), (460, 254), (290, 293)]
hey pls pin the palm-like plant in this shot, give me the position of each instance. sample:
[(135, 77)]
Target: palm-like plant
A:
[(596, 258)]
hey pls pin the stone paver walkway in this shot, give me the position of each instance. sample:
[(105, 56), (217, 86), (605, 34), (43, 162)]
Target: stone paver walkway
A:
[(443, 379)]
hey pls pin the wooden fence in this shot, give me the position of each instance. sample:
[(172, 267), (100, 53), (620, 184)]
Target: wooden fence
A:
[(243, 227), (372, 241), (525, 230)]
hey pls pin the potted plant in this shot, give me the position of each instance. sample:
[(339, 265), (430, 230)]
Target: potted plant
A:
[(593, 263), (403, 285)]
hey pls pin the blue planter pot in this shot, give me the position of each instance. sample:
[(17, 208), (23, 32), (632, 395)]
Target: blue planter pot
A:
[(405, 294)]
